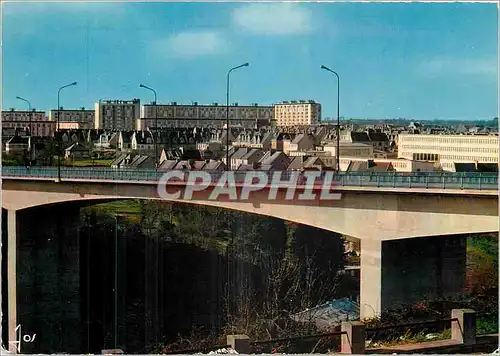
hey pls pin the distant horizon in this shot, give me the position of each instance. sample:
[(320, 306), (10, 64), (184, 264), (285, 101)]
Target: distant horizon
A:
[(414, 120), (419, 60), (325, 119)]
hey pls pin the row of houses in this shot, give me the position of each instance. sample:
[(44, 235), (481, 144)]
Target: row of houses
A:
[(143, 141), (247, 159), (243, 158), (252, 149), (282, 140), (211, 140)]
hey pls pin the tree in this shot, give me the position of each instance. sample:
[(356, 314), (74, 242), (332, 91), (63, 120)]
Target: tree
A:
[(156, 220), (48, 152), (482, 264)]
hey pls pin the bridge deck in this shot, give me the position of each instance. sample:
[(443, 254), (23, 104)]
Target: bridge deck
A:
[(415, 189), (416, 182)]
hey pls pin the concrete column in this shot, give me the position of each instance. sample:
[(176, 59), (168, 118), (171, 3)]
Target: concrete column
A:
[(463, 329), (353, 341), (12, 276), (239, 343), (371, 279)]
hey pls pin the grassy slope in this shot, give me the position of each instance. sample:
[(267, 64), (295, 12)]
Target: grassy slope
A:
[(121, 207)]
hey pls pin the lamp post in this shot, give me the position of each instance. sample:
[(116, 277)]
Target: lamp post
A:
[(58, 133), (338, 115), (29, 109), (156, 123), (228, 164), (30, 116)]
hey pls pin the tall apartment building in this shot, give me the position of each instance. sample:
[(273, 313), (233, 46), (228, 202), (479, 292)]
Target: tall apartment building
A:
[(194, 115), (73, 118), (117, 115), (13, 120), (449, 149), (295, 113)]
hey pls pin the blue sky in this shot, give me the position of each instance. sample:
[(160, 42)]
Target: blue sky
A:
[(418, 60)]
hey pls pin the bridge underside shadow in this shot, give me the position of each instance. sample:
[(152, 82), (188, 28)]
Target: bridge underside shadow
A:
[(401, 272), (44, 276), (47, 286)]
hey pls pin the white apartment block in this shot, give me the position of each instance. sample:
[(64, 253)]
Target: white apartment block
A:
[(449, 149), (73, 118), (22, 115), (174, 115), (295, 113), (117, 115)]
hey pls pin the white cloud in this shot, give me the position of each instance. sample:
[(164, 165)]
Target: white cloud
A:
[(273, 18), (193, 44), (453, 66)]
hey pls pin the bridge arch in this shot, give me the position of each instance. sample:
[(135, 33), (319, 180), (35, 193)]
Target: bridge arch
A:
[(374, 216), (363, 214)]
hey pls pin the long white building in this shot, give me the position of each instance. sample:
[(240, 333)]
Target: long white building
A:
[(449, 149), (195, 115)]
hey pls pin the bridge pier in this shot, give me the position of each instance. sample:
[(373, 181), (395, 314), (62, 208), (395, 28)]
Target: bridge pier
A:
[(395, 273), (44, 278), (12, 225)]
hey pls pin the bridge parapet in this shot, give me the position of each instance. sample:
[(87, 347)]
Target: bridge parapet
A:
[(420, 180)]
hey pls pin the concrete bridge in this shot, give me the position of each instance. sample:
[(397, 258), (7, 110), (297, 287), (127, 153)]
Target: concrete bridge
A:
[(412, 227)]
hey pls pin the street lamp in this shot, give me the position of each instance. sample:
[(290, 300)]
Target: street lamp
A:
[(338, 115), (29, 109), (156, 123), (58, 133), (228, 164), (30, 143)]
